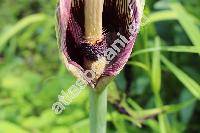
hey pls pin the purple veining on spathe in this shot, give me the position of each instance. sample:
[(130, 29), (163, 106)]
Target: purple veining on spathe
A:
[(124, 54), (71, 33)]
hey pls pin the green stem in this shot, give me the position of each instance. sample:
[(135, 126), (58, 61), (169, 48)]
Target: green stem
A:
[(98, 111)]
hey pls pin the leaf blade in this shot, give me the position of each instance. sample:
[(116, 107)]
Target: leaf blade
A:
[(188, 82)]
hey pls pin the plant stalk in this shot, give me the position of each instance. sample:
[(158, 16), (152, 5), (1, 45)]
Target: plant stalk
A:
[(93, 33), (98, 111)]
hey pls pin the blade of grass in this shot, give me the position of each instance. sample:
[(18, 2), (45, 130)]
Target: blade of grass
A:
[(188, 82), (162, 16), (156, 69), (153, 124), (19, 26), (166, 109), (146, 58), (187, 23), (186, 49), (156, 86), (134, 104), (167, 15), (140, 115), (164, 125), (119, 122), (139, 64)]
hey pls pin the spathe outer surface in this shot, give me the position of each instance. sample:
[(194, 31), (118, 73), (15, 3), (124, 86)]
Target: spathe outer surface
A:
[(119, 17)]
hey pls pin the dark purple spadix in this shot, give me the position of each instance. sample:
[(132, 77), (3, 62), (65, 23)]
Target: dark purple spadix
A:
[(120, 24)]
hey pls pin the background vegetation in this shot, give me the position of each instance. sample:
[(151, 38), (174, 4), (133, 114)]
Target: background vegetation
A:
[(159, 88)]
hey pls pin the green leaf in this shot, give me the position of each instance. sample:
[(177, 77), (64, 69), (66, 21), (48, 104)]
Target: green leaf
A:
[(19, 26), (113, 93), (153, 124), (188, 82), (119, 122), (161, 16), (186, 49), (156, 86), (166, 109), (156, 69), (163, 124), (188, 25), (134, 104), (139, 64), (163, 121)]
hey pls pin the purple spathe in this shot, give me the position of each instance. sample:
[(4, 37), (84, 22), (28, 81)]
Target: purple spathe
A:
[(117, 18)]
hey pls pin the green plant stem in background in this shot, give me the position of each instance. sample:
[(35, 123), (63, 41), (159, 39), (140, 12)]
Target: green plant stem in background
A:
[(98, 111)]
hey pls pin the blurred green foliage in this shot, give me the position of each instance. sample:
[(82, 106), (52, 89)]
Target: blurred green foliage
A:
[(159, 87)]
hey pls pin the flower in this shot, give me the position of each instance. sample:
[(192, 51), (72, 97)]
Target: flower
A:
[(108, 55)]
